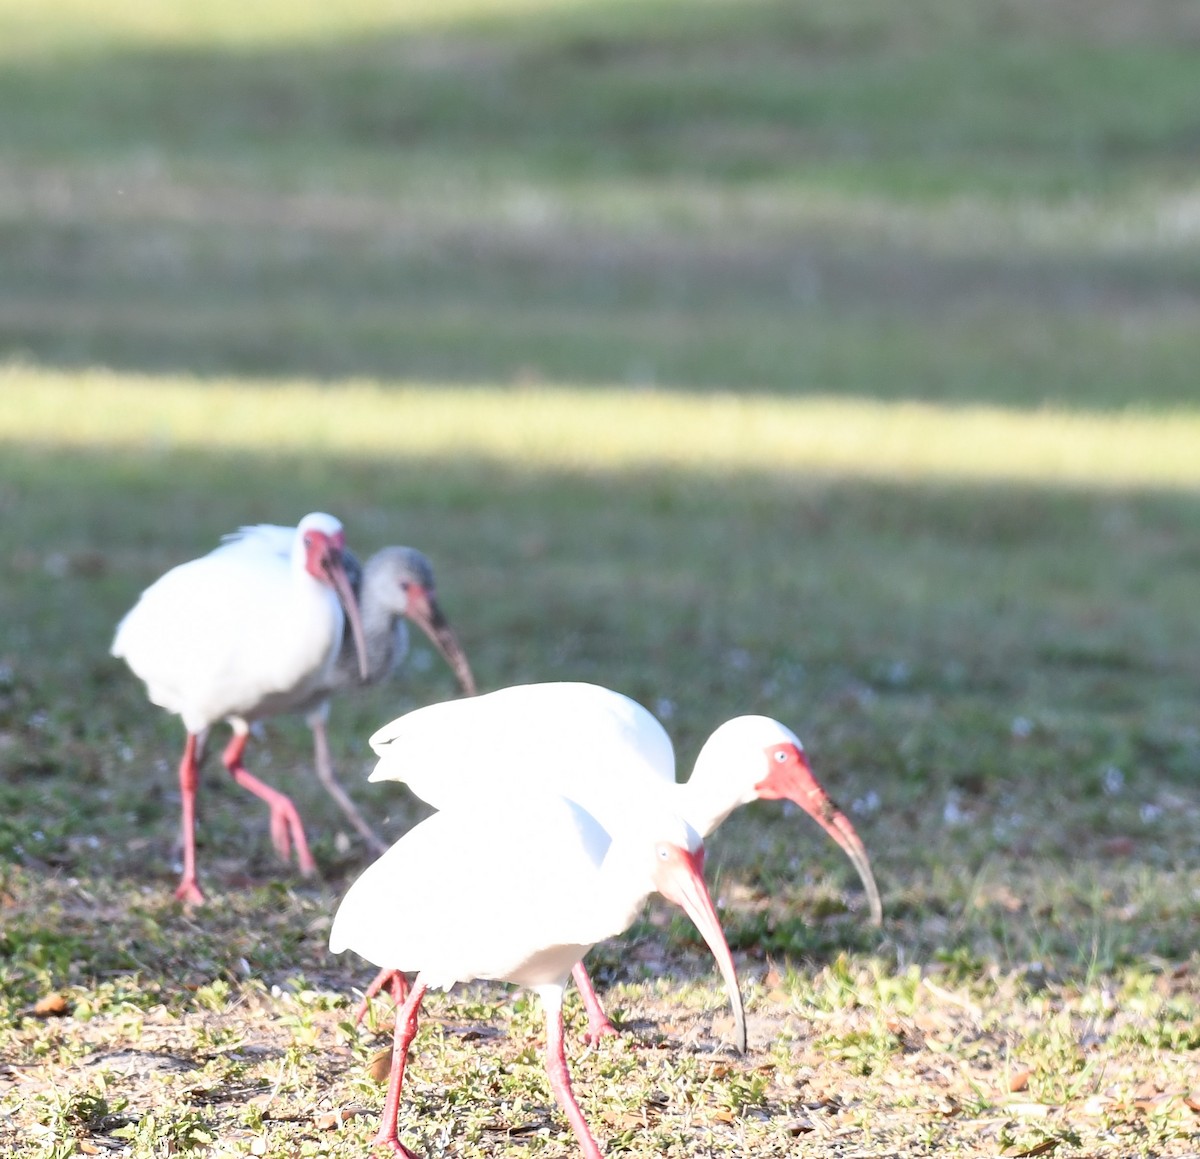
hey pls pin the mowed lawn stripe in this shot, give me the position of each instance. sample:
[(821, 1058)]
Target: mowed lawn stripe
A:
[(600, 428)]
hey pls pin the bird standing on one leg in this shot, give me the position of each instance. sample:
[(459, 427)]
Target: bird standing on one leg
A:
[(236, 635)]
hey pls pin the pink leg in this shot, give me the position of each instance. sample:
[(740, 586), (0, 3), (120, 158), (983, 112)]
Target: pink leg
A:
[(406, 1028), (394, 980), (598, 1023), (560, 1077), (188, 890), (286, 828)]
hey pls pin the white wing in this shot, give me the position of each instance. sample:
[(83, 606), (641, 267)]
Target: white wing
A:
[(215, 635), (589, 743)]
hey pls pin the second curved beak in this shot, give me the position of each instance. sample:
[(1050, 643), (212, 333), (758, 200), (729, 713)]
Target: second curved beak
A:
[(681, 880), (424, 611), (335, 570)]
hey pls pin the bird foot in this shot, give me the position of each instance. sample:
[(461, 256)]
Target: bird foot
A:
[(386, 1139), (288, 832), (188, 892), (396, 982), (599, 1029), (286, 827)]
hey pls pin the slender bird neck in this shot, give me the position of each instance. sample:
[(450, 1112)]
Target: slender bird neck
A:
[(707, 796), (379, 632)]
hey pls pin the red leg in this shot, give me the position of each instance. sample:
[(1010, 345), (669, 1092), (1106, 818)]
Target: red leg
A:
[(598, 1023), (406, 1029), (560, 1077), (286, 828), (188, 890), (394, 980)]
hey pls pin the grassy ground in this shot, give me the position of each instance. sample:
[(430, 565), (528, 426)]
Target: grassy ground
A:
[(834, 362)]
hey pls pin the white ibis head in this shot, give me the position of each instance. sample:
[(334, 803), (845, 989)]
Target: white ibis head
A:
[(676, 870), (403, 577), (320, 544), (768, 761)]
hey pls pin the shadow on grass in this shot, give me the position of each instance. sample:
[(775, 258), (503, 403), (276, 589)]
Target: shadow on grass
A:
[(576, 196)]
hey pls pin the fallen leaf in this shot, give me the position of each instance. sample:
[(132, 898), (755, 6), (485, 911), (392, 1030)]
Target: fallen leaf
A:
[(1019, 1079), (381, 1066), (52, 1005), (331, 1120), (1038, 1148)]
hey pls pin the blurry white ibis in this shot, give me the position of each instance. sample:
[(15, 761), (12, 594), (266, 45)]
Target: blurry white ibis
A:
[(239, 634), (396, 585), (517, 890), (575, 739)]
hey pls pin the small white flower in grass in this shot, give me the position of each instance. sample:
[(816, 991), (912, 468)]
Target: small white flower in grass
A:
[(126, 752), (664, 708), (953, 813), (1021, 727), (738, 659), (1114, 781), (1149, 813), (867, 804)]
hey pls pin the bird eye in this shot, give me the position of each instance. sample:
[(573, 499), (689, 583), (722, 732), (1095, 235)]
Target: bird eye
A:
[(780, 756), (663, 853)]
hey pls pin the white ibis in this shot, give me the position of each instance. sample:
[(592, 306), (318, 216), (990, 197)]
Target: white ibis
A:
[(396, 585), (574, 738), (236, 635), (517, 891)]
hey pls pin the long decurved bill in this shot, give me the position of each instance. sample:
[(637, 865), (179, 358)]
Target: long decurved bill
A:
[(423, 610), (680, 879), (335, 572), (792, 779)]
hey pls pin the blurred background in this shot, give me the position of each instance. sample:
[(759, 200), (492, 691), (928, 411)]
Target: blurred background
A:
[(832, 361)]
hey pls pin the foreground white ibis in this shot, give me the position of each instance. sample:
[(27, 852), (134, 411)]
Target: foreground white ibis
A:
[(236, 635), (395, 586), (575, 738), (517, 890)]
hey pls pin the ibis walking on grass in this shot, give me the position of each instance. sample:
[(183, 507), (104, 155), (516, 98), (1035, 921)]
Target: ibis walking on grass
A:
[(604, 750), (242, 633), (518, 889), (396, 585)]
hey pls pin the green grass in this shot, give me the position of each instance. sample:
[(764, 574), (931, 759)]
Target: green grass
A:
[(836, 362)]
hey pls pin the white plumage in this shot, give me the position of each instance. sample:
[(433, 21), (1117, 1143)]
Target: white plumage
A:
[(607, 752), (240, 634), (517, 891)]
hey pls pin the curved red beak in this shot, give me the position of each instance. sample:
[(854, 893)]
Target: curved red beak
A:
[(790, 778), (680, 879)]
